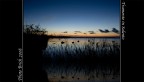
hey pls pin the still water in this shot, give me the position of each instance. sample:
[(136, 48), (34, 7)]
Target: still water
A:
[(66, 65)]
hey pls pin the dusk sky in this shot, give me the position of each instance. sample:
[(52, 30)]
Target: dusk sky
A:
[(74, 17)]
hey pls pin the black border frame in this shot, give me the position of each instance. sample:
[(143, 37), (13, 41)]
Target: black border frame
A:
[(132, 54)]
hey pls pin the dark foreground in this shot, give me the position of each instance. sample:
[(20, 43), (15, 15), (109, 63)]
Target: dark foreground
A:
[(32, 69), (40, 68)]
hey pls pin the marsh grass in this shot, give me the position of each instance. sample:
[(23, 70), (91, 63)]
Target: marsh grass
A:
[(92, 60), (91, 50)]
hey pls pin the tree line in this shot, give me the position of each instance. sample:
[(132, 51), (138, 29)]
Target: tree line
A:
[(34, 29)]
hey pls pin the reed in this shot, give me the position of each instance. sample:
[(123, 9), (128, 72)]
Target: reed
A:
[(90, 51)]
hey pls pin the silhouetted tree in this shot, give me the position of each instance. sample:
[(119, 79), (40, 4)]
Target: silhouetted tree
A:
[(34, 29)]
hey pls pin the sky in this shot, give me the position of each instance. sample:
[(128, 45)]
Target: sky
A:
[(74, 17)]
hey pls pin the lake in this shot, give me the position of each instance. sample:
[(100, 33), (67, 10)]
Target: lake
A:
[(82, 59)]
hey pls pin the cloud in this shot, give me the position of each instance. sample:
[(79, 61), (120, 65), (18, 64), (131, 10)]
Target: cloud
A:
[(65, 32), (77, 31), (91, 32), (115, 30), (107, 31), (104, 31)]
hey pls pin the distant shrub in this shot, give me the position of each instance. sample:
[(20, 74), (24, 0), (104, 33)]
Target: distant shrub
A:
[(34, 29)]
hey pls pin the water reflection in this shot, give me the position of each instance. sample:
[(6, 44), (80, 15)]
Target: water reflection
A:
[(81, 72), (82, 59)]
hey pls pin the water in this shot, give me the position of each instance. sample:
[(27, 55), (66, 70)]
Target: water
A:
[(63, 46), (82, 59), (78, 41)]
